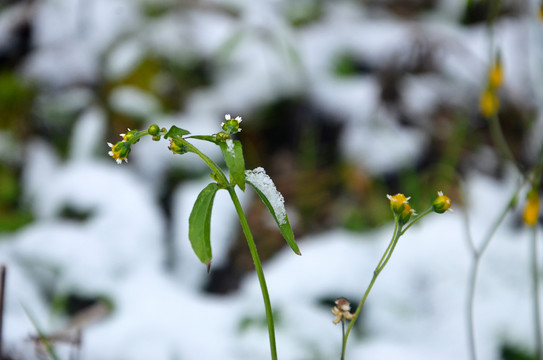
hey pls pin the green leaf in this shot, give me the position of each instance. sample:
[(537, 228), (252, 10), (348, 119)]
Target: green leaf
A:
[(284, 225), (233, 155), (175, 131), (209, 138), (200, 223)]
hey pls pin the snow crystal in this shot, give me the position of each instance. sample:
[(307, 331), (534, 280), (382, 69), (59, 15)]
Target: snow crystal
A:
[(230, 147), (264, 184)]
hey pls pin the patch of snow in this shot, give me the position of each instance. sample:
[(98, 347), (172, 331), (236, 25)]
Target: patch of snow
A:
[(260, 180), (133, 101)]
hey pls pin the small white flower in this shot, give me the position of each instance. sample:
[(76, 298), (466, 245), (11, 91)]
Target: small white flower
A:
[(228, 117)]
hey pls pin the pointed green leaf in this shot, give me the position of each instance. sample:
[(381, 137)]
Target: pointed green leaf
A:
[(209, 138), (175, 131), (283, 223), (233, 155), (200, 223)]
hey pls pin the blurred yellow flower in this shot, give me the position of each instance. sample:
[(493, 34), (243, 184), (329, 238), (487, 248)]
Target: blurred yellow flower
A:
[(398, 202), (531, 211), (495, 76), (489, 103)]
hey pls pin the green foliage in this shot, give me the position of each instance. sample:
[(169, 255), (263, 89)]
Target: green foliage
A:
[(511, 352), (16, 98), (200, 223), (175, 131), (284, 225), (232, 152)]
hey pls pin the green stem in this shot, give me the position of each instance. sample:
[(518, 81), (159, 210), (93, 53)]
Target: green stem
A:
[(376, 272), (499, 139), (477, 254), (417, 218), (259, 271), (250, 241), (389, 245), (535, 289), (210, 163), (343, 342)]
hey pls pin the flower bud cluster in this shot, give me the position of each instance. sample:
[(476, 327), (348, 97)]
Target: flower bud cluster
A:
[(489, 102), (230, 127), (399, 204)]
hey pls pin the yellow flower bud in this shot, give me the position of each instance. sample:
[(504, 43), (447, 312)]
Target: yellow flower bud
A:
[(119, 151), (489, 104), (495, 76), (442, 203), (531, 211), (398, 203), (177, 147), (405, 215)]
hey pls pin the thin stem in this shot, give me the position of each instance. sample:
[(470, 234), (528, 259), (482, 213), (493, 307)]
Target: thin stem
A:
[(376, 272), (210, 163), (499, 139), (258, 268), (477, 254), (417, 218), (389, 245), (535, 289), (343, 342)]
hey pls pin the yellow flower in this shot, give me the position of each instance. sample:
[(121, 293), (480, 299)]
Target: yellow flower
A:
[(442, 203), (119, 151), (541, 12), (489, 103), (398, 202), (342, 310), (495, 76), (531, 211)]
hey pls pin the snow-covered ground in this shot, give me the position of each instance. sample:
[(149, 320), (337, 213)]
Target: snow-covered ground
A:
[(417, 309)]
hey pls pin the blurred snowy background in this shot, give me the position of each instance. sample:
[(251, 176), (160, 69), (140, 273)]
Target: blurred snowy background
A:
[(343, 101)]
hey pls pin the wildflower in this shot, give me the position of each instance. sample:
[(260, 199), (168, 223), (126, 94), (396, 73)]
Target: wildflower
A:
[(231, 126), (129, 135), (531, 211), (442, 203), (405, 215), (495, 75), (119, 151), (398, 203), (177, 147), (489, 103), (342, 310)]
